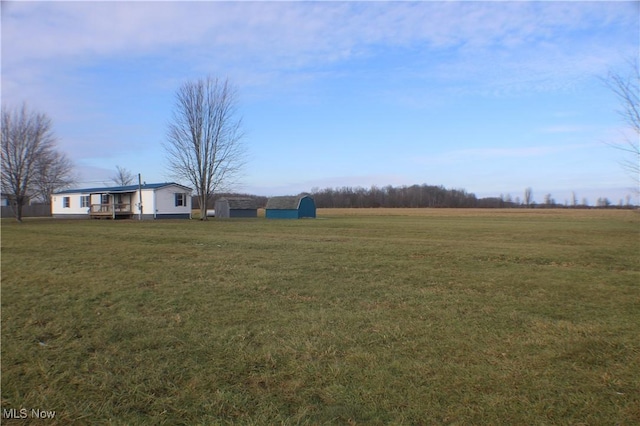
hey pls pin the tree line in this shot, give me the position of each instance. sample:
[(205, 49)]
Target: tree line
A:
[(390, 196), (437, 196)]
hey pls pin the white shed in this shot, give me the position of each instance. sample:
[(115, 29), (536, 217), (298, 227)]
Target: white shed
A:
[(149, 201)]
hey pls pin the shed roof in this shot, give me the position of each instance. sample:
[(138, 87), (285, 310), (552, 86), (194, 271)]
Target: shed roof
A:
[(121, 189), (285, 203), (241, 203)]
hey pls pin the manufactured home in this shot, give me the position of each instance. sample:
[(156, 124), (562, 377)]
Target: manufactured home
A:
[(290, 207), (147, 201)]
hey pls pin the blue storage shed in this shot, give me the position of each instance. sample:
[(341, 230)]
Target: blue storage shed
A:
[(293, 207)]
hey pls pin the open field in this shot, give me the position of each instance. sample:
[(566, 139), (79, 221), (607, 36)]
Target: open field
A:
[(384, 316)]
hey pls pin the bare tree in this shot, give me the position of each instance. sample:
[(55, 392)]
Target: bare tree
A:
[(603, 202), (574, 199), (627, 89), (204, 139), (27, 139), (123, 177), (54, 171), (528, 196), (549, 201)]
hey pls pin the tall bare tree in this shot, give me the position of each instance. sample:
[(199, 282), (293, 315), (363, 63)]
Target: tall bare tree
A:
[(528, 196), (54, 171), (27, 139), (204, 140), (627, 89), (574, 199), (123, 177)]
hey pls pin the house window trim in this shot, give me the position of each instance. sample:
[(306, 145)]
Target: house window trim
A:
[(66, 202), (85, 201), (180, 199)]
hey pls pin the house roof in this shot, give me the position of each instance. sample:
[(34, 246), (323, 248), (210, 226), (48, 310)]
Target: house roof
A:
[(241, 203), (120, 189), (285, 203)]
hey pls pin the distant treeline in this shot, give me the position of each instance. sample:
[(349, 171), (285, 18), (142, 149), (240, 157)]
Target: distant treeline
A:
[(391, 196), (416, 196), (433, 196)]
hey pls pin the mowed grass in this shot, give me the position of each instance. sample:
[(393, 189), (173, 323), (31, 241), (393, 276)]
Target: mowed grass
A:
[(383, 316)]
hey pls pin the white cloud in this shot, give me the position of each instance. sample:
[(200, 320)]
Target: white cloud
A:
[(298, 33)]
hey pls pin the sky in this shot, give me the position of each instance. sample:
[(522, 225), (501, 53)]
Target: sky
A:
[(490, 97)]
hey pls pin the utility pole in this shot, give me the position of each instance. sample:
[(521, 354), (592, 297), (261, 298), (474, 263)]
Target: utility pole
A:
[(139, 197)]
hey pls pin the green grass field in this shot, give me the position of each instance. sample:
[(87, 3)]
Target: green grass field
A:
[(358, 317)]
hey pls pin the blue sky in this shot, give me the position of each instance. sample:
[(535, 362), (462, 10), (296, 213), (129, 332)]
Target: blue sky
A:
[(492, 97)]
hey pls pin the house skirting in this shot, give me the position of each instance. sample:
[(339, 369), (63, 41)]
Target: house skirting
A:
[(170, 216), (70, 216), (133, 217)]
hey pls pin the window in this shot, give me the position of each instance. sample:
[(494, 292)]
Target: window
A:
[(104, 199), (181, 199), (84, 200), (66, 202)]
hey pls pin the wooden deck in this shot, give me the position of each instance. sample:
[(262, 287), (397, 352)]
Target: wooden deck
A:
[(110, 211)]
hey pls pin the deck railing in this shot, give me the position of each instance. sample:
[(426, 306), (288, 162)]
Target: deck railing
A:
[(110, 209)]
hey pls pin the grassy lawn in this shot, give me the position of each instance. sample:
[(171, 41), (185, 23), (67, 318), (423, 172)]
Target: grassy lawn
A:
[(383, 316)]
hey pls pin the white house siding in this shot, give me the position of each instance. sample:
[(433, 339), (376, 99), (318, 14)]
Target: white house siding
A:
[(148, 206), (75, 209), (165, 200)]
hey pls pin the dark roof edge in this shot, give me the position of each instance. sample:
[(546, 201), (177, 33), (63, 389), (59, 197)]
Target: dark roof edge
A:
[(121, 189)]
